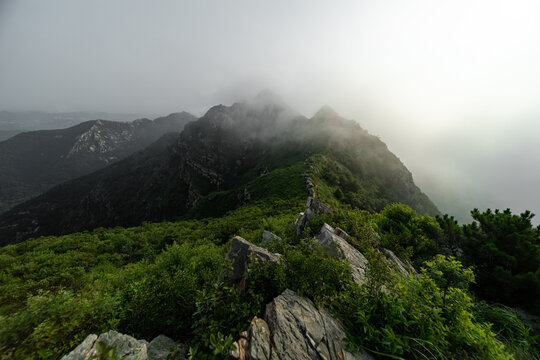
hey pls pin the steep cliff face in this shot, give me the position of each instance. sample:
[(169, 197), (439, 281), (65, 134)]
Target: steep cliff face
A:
[(225, 149), (33, 162)]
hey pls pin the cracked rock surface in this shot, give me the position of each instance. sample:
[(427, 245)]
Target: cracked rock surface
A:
[(294, 329), (127, 347), (333, 241)]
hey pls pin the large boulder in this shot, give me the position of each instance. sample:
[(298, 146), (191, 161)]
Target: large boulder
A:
[(241, 254), (128, 347), (294, 329), (313, 207), (333, 241)]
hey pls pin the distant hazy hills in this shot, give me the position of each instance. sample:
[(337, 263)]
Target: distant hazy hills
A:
[(212, 163), (33, 162), (14, 122)]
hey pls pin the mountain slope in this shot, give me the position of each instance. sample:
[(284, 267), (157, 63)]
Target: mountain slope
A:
[(33, 162), (225, 150)]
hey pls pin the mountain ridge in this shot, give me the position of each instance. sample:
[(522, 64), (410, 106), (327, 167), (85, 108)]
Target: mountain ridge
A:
[(32, 162), (223, 150)]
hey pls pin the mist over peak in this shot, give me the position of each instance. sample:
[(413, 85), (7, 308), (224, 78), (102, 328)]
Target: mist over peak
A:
[(269, 97), (326, 111), (446, 100)]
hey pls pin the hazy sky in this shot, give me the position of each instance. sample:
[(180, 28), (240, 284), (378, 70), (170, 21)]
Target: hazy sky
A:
[(453, 87)]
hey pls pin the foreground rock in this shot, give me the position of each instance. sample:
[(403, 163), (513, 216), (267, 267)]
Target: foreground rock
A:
[(241, 253), (293, 328), (333, 241), (313, 207), (161, 348)]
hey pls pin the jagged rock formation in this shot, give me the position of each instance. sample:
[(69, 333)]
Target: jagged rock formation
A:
[(240, 255), (161, 348), (313, 207), (333, 241), (293, 328), (33, 162)]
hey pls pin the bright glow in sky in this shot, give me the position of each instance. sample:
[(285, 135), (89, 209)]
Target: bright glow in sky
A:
[(453, 87)]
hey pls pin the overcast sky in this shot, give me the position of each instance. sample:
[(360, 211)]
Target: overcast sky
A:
[(453, 87)]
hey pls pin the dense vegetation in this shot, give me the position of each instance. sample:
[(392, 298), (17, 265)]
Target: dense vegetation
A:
[(160, 278)]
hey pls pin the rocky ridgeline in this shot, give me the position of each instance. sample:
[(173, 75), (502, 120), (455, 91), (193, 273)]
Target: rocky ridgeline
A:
[(292, 327)]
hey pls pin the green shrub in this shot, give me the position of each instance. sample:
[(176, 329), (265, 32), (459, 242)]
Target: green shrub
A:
[(505, 251), (414, 321), (53, 324), (409, 236), (160, 298), (222, 313)]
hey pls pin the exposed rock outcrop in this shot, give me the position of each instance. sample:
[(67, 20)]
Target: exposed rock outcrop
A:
[(293, 328), (161, 348), (269, 237), (241, 254), (402, 267), (313, 207), (333, 241)]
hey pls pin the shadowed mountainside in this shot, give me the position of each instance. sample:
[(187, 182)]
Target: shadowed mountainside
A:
[(33, 162)]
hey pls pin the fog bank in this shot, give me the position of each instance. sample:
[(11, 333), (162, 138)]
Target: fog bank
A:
[(452, 87)]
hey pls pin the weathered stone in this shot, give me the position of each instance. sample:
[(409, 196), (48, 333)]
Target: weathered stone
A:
[(313, 207), (339, 248), (295, 329), (404, 268), (241, 254), (239, 348), (259, 346), (84, 350), (268, 237), (161, 347), (126, 346)]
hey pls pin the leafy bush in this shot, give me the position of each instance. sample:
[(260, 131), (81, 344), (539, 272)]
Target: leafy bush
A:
[(222, 313), (160, 298), (408, 235), (414, 321), (448, 273), (52, 324)]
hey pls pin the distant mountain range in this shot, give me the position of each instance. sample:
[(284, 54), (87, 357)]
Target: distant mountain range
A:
[(33, 162), (14, 122), (208, 169)]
